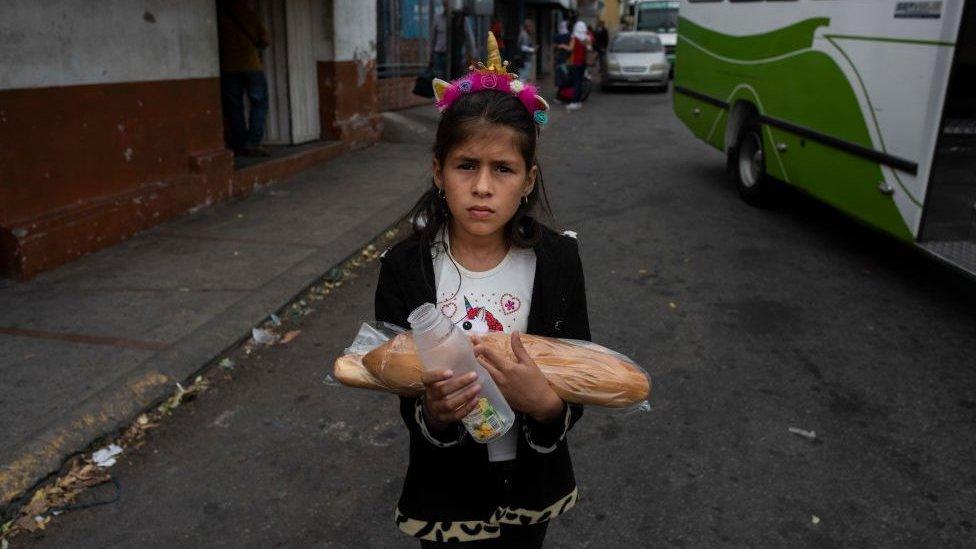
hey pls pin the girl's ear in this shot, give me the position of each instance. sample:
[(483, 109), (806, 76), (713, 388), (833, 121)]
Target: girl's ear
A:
[(435, 168), (530, 180)]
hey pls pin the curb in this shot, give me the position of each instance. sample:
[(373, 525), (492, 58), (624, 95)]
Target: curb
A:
[(153, 380)]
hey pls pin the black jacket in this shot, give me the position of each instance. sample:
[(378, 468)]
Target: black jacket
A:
[(451, 490)]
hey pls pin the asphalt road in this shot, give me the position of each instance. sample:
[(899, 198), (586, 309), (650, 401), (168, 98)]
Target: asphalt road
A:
[(750, 322)]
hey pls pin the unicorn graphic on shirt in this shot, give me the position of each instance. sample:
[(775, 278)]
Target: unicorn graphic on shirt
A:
[(478, 320)]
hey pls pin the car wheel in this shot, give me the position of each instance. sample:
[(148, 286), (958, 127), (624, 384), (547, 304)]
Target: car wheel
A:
[(663, 88), (747, 164)]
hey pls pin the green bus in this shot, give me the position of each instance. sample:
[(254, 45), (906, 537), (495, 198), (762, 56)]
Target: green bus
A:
[(869, 106)]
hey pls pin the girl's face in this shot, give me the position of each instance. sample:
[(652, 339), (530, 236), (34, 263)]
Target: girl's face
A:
[(484, 178)]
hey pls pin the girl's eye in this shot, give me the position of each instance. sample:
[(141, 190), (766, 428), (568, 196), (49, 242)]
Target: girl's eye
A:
[(504, 169), (466, 166)]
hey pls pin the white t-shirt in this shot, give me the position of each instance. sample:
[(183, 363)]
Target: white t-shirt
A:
[(497, 300)]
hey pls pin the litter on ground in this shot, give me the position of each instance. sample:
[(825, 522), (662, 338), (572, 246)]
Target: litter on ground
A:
[(809, 435), (106, 456)]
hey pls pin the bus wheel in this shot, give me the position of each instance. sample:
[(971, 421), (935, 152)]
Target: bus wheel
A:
[(748, 167)]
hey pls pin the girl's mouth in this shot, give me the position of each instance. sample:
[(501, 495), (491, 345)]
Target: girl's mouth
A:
[(480, 212)]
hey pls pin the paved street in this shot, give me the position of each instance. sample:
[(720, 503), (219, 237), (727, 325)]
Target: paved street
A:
[(750, 322)]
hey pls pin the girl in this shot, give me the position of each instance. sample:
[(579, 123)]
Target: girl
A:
[(478, 252)]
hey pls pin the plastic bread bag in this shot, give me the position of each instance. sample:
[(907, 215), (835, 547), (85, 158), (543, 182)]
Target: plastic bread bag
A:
[(349, 369), (383, 357)]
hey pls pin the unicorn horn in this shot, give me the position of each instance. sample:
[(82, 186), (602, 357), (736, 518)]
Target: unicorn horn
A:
[(494, 58)]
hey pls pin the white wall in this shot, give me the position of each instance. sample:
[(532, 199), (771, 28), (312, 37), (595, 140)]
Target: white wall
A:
[(355, 30), (68, 42)]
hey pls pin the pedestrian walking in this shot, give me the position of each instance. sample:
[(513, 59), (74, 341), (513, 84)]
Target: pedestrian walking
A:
[(579, 44), (526, 44), (242, 36), (480, 251)]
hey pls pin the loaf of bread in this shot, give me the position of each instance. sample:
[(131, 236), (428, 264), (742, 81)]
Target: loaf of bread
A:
[(579, 372), (349, 370)]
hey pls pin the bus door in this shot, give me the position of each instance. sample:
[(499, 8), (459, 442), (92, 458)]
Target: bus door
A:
[(949, 225)]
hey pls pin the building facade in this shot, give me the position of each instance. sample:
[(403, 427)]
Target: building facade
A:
[(111, 119)]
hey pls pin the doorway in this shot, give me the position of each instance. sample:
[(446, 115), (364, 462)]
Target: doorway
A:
[(289, 66)]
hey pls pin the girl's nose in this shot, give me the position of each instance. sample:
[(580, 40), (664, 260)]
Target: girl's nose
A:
[(482, 183)]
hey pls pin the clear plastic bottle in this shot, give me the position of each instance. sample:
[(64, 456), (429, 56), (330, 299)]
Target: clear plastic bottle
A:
[(443, 346)]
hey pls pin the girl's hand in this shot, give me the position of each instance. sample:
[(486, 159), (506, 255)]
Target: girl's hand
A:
[(448, 399), (522, 382)]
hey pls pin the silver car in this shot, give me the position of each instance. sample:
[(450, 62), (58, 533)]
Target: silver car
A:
[(636, 58)]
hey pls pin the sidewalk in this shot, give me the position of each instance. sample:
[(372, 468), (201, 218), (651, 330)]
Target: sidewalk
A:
[(85, 347)]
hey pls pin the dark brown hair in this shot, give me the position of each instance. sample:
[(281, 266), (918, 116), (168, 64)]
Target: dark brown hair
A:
[(466, 115)]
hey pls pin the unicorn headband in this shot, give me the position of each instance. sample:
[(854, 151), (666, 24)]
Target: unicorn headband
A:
[(492, 76)]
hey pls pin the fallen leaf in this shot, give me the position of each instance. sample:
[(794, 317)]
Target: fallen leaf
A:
[(27, 523), (672, 305), (815, 519), (290, 336)]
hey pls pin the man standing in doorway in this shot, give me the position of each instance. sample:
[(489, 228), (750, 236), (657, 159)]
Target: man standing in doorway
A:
[(242, 36), (438, 54)]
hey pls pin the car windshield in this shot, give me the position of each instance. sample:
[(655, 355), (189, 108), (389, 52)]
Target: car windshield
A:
[(653, 18), (636, 44)]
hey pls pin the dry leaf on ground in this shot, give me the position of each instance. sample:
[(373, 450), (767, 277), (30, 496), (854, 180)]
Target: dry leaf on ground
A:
[(289, 336)]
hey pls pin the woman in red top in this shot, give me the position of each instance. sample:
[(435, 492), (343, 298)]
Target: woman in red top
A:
[(578, 45)]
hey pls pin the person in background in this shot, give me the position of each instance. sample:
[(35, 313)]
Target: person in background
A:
[(600, 44), (561, 38), (560, 70), (579, 43), (471, 52), (499, 31), (438, 53), (526, 43), (242, 35)]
